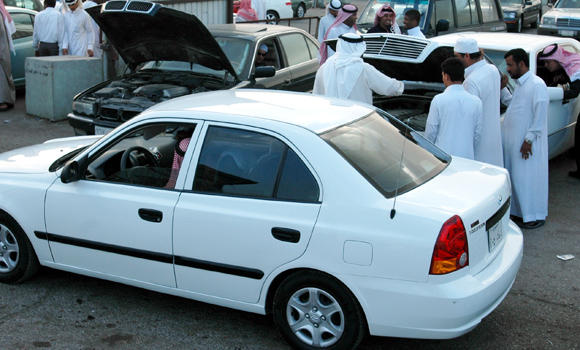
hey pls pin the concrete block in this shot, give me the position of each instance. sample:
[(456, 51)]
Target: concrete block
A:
[(52, 82)]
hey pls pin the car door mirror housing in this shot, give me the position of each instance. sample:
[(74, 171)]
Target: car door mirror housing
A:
[(265, 72), (74, 170), (442, 25)]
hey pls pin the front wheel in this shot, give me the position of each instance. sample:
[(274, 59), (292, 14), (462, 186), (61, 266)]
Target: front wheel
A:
[(314, 311), (300, 11), (18, 261), (272, 17)]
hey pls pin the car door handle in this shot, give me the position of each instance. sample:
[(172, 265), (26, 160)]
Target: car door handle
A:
[(150, 215), (286, 234)]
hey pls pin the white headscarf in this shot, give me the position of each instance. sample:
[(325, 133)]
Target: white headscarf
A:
[(342, 70)]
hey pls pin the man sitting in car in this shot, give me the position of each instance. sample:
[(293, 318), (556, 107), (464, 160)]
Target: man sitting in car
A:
[(262, 52)]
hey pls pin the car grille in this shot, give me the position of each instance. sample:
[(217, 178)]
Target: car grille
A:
[(115, 5), (139, 6), (393, 46), (131, 6), (568, 22), (117, 114)]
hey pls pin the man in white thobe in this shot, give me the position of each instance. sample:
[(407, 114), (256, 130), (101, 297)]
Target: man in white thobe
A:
[(525, 142), (325, 22), (78, 27), (97, 51), (345, 22), (260, 7), (483, 80), (454, 120), (411, 22), (48, 30), (346, 75)]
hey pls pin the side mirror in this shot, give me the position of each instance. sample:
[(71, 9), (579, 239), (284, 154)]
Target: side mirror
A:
[(442, 25), (264, 72), (74, 170)]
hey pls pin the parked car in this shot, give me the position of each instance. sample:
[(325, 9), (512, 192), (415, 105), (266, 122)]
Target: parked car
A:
[(35, 5), (518, 13), (261, 216), (441, 16), (184, 57), (22, 39), (419, 66), (562, 20)]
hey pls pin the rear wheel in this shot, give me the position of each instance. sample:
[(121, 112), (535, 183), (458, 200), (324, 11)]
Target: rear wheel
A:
[(272, 17), (300, 11), (314, 311), (18, 261)]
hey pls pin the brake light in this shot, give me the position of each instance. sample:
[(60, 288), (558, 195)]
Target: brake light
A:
[(451, 250), (289, 4)]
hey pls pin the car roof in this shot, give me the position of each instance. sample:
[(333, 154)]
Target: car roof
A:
[(312, 112), (250, 30), (504, 41)]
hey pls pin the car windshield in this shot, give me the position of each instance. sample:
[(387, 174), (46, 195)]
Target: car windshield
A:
[(367, 18), (568, 4), (236, 50), (391, 156), (496, 57)]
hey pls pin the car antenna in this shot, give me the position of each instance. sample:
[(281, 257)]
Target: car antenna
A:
[(393, 211)]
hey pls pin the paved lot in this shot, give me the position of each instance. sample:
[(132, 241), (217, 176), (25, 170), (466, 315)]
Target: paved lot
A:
[(58, 310)]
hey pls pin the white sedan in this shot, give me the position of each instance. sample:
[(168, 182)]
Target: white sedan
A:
[(331, 215)]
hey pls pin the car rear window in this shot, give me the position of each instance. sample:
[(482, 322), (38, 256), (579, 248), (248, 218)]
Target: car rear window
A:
[(391, 156)]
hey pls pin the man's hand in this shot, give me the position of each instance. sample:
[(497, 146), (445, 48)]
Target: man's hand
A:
[(64, 52), (504, 81), (90, 53), (526, 149)]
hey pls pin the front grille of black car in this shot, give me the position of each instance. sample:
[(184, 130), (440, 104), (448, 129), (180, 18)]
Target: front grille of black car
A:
[(117, 114), (139, 6), (393, 46), (115, 5), (568, 22)]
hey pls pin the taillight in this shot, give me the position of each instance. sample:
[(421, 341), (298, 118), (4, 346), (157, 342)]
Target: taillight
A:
[(289, 4), (451, 250)]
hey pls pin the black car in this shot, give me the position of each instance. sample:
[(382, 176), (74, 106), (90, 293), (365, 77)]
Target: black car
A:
[(171, 54), (441, 16), (519, 13)]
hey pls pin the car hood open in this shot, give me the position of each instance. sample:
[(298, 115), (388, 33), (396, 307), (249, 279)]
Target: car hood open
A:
[(143, 31), (37, 159)]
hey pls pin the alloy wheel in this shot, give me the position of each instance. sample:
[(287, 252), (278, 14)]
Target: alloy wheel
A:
[(9, 250)]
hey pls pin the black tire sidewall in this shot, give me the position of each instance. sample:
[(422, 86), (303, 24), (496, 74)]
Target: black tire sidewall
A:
[(355, 324), (26, 256)]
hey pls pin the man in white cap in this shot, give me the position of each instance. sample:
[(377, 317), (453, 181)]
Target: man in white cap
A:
[(484, 81), (345, 75), (345, 22), (454, 120), (325, 22), (262, 52), (78, 31)]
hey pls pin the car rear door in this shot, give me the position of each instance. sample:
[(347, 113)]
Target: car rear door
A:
[(249, 205)]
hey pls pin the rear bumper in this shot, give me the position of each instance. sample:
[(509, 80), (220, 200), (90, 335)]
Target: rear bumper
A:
[(443, 307)]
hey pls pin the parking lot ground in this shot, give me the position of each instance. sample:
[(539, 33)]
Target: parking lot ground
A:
[(59, 310)]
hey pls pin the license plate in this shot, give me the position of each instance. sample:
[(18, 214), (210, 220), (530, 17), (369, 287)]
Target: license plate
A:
[(494, 236), (566, 32), (101, 130)]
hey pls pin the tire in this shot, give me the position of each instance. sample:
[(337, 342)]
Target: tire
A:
[(272, 17), (18, 262), (300, 11), (314, 311)]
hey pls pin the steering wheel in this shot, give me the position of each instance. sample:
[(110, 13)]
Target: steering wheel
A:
[(138, 156)]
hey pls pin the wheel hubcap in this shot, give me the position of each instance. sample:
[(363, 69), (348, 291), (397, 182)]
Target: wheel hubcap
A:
[(300, 11), (315, 317), (9, 251)]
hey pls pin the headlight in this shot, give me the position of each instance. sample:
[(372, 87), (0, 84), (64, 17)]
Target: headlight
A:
[(85, 108), (549, 21), (509, 15)]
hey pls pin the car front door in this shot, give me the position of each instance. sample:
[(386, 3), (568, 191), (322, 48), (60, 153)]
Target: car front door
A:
[(302, 59), (274, 57), (117, 220), (22, 44), (251, 207)]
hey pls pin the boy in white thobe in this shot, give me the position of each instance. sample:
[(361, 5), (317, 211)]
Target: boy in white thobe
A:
[(345, 75), (483, 80), (454, 120), (78, 26), (525, 142)]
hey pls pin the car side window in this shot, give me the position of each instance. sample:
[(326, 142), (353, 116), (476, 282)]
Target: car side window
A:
[(24, 25), (295, 48), (466, 13), (312, 48), (444, 10), (272, 57), (489, 11), (148, 156), (250, 164)]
